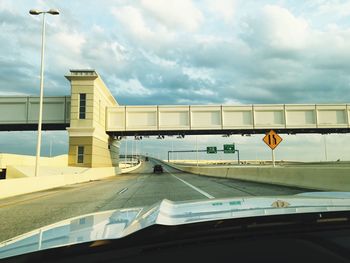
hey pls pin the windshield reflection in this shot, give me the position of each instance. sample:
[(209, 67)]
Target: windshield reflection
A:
[(109, 224)]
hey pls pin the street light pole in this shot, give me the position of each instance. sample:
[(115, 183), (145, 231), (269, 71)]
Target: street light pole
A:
[(38, 146), (197, 149)]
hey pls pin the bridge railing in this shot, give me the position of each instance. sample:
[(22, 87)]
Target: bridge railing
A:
[(312, 117)]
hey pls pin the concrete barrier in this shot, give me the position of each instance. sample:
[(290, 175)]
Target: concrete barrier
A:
[(317, 178), (18, 186), (130, 169)]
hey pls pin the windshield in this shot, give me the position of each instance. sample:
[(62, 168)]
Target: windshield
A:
[(109, 105)]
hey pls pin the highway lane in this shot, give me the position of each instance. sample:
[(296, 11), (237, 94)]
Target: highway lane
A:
[(140, 188)]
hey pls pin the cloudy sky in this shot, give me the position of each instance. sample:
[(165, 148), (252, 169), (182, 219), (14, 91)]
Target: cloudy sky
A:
[(185, 52)]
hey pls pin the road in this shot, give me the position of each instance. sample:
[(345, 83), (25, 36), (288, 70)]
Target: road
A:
[(141, 188)]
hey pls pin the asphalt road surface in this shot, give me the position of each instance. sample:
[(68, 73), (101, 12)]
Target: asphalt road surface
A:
[(24, 213)]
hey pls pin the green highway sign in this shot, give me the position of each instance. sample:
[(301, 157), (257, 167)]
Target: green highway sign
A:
[(211, 149), (229, 148)]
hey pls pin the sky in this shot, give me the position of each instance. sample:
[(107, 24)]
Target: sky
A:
[(185, 52)]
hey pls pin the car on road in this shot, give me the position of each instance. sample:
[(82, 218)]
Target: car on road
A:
[(158, 169)]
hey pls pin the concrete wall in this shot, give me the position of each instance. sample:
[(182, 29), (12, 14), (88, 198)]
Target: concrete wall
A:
[(7, 159), (317, 178), (20, 186), (99, 149)]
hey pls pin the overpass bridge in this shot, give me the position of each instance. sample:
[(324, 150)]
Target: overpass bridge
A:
[(20, 113), (96, 122), (226, 119)]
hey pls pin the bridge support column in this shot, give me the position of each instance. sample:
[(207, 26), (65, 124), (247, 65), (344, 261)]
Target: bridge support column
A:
[(89, 145), (114, 146)]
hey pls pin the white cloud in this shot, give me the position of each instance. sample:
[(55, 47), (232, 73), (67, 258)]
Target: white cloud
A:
[(132, 87), (69, 41), (175, 14), (204, 92), (284, 29), (159, 61), (8, 6), (341, 8), (278, 28), (131, 18), (223, 8), (291, 49), (203, 74), (142, 31), (228, 101)]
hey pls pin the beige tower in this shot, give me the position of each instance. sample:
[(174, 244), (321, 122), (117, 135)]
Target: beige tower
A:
[(89, 145)]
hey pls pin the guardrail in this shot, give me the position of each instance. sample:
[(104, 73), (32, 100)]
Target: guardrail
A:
[(26, 185)]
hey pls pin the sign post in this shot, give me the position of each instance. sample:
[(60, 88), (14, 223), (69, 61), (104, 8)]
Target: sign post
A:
[(272, 139)]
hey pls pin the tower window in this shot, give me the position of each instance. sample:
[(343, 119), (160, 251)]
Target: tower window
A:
[(80, 154), (82, 106)]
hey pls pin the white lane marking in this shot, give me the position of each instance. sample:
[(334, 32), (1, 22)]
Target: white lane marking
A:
[(192, 186), (122, 191)]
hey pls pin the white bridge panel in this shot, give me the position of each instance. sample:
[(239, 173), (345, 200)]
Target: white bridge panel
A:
[(53, 110), (332, 115), (205, 117), (141, 117), (237, 117), (269, 116), (174, 117), (301, 116), (116, 117), (13, 110)]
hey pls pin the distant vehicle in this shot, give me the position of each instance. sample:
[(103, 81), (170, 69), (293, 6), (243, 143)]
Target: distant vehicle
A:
[(146, 159), (157, 169)]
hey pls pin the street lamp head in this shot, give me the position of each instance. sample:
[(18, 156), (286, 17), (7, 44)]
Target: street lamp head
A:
[(53, 12), (34, 12)]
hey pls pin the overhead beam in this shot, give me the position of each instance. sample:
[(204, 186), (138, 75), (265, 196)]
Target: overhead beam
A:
[(229, 132), (33, 127)]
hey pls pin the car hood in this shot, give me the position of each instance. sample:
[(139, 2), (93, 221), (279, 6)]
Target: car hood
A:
[(119, 223)]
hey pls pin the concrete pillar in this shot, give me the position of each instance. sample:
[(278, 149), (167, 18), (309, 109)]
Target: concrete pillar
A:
[(89, 145), (114, 147)]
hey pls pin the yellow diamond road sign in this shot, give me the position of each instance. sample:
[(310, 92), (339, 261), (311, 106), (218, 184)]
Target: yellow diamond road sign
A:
[(272, 139)]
